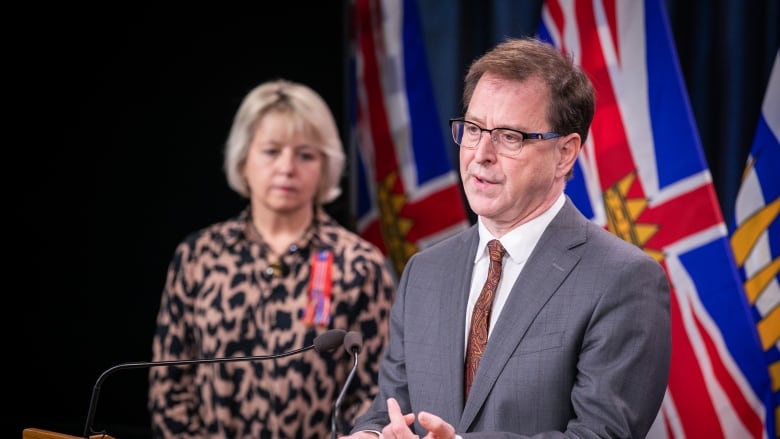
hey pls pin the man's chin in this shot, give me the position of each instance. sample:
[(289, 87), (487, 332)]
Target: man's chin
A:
[(481, 207)]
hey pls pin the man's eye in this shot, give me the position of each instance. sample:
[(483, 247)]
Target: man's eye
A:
[(510, 137), (472, 130)]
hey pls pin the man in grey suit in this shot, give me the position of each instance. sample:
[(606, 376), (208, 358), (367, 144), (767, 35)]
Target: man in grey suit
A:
[(578, 324)]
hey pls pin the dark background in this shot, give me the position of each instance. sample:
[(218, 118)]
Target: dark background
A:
[(117, 120), (126, 112)]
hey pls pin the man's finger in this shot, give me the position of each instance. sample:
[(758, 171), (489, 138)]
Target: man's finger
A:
[(437, 428), (399, 423)]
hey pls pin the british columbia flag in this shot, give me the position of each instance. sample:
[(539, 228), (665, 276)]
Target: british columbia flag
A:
[(643, 176), (406, 192), (755, 237)]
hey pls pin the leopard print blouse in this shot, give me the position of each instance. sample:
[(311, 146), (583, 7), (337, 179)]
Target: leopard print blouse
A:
[(224, 298)]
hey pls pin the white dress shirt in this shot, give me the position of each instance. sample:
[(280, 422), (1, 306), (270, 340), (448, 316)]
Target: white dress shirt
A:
[(519, 243)]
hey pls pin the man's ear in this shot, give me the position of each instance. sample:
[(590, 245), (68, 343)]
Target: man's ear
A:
[(569, 147)]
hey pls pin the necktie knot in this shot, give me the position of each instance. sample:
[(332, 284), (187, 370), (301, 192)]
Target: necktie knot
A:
[(496, 250)]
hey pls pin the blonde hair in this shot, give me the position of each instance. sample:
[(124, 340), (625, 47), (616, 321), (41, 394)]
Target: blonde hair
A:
[(308, 115)]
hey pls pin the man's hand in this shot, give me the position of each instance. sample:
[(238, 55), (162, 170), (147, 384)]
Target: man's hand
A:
[(398, 428)]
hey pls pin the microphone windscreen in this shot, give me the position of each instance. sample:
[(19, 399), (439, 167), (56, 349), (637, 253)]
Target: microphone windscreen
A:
[(329, 340), (353, 342)]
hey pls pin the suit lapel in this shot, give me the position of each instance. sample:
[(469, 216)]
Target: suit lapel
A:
[(547, 267), (452, 339)]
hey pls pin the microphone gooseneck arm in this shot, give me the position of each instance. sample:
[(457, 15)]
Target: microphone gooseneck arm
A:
[(353, 343), (324, 342), (337, 405)]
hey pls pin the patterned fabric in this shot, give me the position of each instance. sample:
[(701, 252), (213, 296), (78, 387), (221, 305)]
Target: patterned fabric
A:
[(480, 318), (222, 298)]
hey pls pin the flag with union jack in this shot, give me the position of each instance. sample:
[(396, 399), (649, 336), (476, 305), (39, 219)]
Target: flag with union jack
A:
[(405, 191), (643, 176), (755, 237)]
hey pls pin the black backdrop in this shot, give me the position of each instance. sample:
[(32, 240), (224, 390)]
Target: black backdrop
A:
[(125, 113), (117, 119)]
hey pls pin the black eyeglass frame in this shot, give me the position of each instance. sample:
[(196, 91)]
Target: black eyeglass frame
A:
[(525, 136)]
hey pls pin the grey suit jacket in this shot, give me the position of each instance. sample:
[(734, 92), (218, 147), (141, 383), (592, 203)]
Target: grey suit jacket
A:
[(581, 348)]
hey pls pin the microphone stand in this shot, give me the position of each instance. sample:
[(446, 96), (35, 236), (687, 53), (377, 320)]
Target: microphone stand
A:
[(337, 405), (324, 342)]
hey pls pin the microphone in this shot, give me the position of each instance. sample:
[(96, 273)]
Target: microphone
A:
[(353, 343), (325, 342)]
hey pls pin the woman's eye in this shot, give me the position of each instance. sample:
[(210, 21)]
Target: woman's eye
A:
[(308, 154)]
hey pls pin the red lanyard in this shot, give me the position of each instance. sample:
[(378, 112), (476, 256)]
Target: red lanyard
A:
[(318, 306)]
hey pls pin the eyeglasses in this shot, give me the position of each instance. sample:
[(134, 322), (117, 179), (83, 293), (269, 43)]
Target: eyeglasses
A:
[(508, 142)]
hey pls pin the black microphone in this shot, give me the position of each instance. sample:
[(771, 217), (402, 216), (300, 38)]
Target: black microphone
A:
[(353, 343), (325, 342)]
